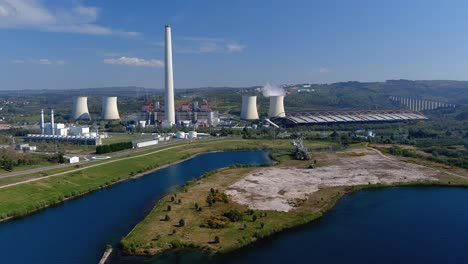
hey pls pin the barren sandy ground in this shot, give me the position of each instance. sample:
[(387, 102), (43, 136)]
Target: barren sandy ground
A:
[(279, 188)]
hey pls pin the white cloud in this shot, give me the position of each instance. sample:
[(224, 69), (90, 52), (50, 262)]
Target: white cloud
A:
[(33, 14), (323, 70), (203, 45), (39, 61), (234, 47), (133, 61), (44, 61)]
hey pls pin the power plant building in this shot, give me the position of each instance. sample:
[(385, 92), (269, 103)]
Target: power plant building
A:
[(187, 115), (323, 118), (59, 132)]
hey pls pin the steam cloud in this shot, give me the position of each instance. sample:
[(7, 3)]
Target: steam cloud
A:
[(272, 90)]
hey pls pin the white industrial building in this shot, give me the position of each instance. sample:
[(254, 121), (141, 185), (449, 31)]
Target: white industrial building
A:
[(59, 132)]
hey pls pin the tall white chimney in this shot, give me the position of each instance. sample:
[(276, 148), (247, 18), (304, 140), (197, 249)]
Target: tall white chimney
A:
[(42, 122), (52, 121), (169, 104)]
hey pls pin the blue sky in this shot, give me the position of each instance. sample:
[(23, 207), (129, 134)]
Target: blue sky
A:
[(65, 44)]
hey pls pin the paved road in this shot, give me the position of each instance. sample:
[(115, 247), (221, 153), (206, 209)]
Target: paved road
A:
[(112, 156)]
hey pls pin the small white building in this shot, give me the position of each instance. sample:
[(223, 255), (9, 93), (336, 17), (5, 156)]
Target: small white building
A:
[(73, 159), (25, 147)]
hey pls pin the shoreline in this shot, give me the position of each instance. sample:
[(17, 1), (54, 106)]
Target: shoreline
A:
[(152, 238), (133, 177), (307, 220)]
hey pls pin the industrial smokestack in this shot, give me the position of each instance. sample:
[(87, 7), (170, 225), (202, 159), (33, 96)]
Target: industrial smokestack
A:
[(109, 108), (42, 122), (80, 108), (276, 106), (52, 124), (169, 103), (249, 108)]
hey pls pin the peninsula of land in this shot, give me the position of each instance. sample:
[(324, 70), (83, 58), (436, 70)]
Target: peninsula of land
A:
[(230, 208)]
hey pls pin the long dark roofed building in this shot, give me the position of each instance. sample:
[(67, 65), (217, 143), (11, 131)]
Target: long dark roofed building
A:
[(311, 118)]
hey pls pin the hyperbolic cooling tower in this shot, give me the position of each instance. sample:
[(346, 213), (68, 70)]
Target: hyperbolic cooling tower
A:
[(276, 106), (169, 103), (249, 107), (80, 108), (109, 108)]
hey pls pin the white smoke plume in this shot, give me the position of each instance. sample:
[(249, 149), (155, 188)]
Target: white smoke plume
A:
[(272, 90)]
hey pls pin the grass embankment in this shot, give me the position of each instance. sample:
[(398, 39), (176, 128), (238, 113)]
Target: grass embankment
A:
[(210, 228), (25, 198)]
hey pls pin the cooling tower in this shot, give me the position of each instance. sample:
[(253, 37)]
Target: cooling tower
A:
[(80, 108), (109, 108), (249, 107), (276, 106), (169, 103)]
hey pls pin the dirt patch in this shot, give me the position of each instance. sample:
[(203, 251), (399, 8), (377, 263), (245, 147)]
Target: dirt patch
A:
[(277, 188)]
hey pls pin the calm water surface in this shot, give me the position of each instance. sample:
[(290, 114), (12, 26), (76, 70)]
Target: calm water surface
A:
[(395, 225), (78, 230)]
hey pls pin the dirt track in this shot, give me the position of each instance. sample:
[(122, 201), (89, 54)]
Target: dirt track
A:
[(277, 188)]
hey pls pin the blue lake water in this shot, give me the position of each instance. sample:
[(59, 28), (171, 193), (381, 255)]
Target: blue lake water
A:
[(79, 230), (394, 225)]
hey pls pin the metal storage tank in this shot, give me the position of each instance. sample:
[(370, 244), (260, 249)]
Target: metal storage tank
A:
[(249, 107), (109, 108), (276, 106), (192, 134), (80, 108), (180, 135)]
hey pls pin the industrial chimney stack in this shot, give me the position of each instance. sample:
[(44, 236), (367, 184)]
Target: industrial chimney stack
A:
[(52, 124), (169, 103), (42, 122)]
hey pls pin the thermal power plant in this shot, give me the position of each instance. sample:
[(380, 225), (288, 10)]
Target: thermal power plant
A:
[(187, 115), (169, 103), (249, 107), (59, 132), (80, 108), (109, 108), (276, 106)]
